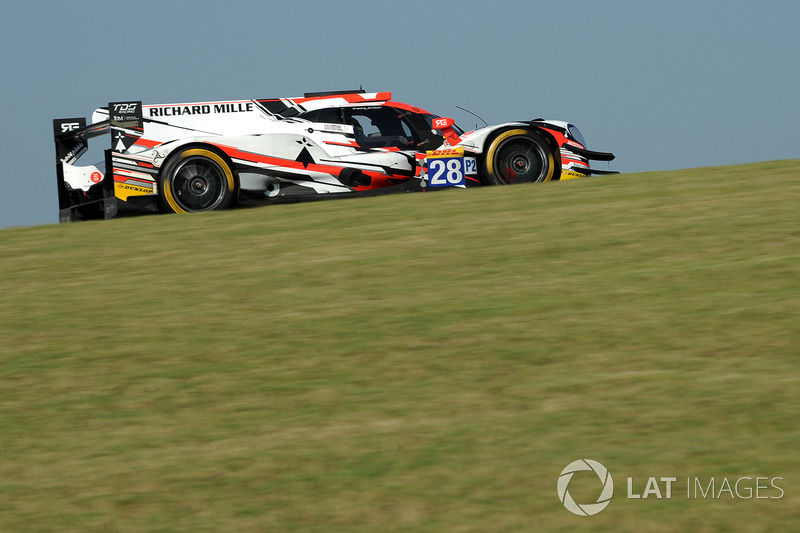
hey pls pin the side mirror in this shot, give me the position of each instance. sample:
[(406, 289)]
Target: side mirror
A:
[(445, 125)]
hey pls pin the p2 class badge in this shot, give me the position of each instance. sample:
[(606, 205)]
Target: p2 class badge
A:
[(446, 168)]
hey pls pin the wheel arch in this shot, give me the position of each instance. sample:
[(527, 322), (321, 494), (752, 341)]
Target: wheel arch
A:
[(178, 149), (556, 149)]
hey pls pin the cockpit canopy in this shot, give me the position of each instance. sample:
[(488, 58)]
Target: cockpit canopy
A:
[(382, 126)]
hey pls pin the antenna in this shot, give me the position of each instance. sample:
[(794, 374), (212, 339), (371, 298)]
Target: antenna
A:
[(473, 114)]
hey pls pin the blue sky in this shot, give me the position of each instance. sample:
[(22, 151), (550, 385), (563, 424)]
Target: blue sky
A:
[(663, 85)]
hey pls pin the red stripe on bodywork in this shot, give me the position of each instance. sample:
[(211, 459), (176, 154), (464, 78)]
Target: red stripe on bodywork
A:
[(567, 161), (352, 98), (406, 107), (379, 179), (124, 179), (562, 140), (276, 161), (141, 141), (350, 144)]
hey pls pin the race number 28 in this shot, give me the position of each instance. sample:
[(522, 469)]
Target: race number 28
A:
[(446, 172)]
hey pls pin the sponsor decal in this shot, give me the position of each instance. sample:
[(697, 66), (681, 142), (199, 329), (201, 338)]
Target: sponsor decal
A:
[(125, 114), (96, 177), (124, 190), (175, 111), (66, 125), (570, 175), (447, 152), (446, 167), (200, 109), (126, 124), (70, 126), (442, 123), (75, 154)]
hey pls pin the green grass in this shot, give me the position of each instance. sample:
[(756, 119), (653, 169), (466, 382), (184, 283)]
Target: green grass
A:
[(425, 362)]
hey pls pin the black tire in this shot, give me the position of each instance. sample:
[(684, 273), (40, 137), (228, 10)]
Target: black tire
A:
[(518, 156), (196, 179)]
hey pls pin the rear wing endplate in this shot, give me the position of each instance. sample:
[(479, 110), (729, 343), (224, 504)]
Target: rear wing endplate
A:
[(71, 137)]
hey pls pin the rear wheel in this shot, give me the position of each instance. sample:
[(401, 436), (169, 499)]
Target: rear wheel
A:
[(196, 179), (518, 156)]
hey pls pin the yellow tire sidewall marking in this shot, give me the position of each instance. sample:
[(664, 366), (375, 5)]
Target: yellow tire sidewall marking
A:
[(510, 133), (197, 152)]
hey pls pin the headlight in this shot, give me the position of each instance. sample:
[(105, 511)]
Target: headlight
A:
[(576, 135)]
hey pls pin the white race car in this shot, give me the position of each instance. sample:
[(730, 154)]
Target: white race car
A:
[(207, 156)]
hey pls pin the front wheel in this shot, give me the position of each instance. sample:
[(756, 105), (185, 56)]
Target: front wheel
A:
[(518, 156), (196, 179)]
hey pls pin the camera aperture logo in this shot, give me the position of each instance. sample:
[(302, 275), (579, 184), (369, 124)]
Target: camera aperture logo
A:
[(663, 488), (585, 509)]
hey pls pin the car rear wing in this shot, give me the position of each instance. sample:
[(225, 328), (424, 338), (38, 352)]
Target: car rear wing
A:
[(91, 195)]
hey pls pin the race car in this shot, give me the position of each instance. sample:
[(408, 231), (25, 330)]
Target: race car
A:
[(207, 156)]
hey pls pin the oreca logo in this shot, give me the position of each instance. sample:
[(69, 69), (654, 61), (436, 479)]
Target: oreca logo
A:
[(586, 509)]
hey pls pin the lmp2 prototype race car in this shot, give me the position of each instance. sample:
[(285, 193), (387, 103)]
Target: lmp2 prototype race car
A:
[(208, 156)]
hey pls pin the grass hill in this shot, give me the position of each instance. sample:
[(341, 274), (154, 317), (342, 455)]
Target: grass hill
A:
[(422, 362)]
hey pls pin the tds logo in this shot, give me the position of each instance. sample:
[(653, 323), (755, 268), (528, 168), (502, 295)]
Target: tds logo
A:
[(125, 108)]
